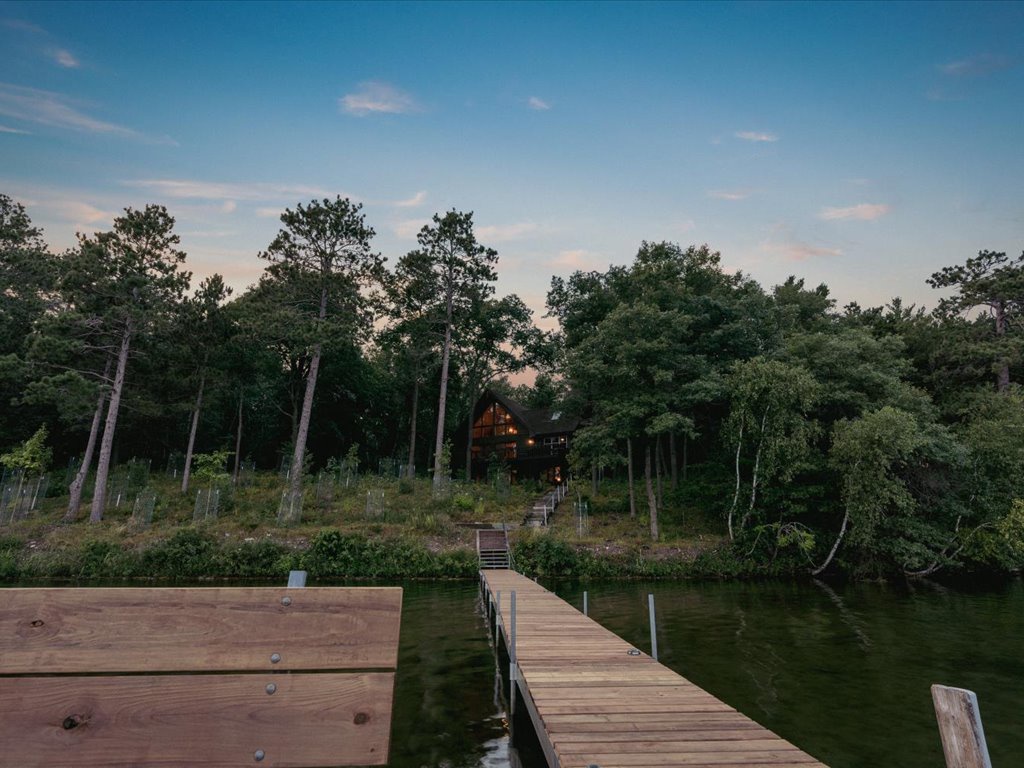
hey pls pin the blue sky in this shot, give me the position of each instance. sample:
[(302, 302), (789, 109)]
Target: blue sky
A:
[(862, 145)]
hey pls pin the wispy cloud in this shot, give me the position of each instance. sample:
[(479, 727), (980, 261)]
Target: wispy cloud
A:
[(796, 250), (58, 111), (408, 229), (23, 26), (861, 212), (376, 97), (537, 103), (6, 129), (80, 211), (976, 66), (756, 136), (413, 202), (576, 258), (42, 42), (782, 241), (229, 192), (729, 194), (504, 232), (65, 58)]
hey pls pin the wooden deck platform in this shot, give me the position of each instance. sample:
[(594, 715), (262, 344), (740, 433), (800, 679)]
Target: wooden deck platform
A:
[(592, 702)]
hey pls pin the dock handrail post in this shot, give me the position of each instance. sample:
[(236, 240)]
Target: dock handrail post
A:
[(497, 613), (963, 738), (654, 627), (512, 657), (512, 630), (586, 612)]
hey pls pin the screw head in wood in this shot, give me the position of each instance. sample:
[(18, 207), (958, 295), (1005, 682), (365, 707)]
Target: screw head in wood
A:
[(286, 601), (271, 688), (275, 657), (633, 652), (258, 755)]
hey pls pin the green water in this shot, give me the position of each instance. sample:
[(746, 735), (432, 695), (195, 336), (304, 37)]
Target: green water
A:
[(842, 672)]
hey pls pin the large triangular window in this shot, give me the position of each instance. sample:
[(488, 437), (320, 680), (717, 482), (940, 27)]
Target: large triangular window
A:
[(495, 421)]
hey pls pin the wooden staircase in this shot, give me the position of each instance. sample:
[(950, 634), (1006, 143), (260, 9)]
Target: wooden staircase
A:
[(542, 510), (492, 549)]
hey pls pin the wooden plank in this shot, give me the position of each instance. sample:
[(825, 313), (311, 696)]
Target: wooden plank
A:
[(674, 746), (217, 629), (593, 703), (196, 720), (963, 738), (773, 764), (605, 737), (764, 757)]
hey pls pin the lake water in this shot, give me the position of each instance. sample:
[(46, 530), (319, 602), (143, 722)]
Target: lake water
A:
[(841, 671)]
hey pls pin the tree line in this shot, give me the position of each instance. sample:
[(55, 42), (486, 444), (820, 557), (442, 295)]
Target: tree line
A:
[(874, 438)]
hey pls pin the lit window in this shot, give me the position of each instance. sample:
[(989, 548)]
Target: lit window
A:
[(494, 421)]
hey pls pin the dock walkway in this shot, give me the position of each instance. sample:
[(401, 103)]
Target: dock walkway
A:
[(596, 701)]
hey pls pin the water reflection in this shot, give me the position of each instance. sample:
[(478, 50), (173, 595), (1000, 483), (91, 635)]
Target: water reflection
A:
[(825, 665)]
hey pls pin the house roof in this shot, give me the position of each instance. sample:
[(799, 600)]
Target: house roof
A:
[(539, 421)]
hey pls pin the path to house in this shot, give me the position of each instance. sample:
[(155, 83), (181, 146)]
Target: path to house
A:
[(542, 509), (596, 701)]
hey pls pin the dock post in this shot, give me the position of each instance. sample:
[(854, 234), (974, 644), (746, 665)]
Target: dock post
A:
[(586, 607), (963, 738), (497, 615), (512, 658), (654, 627)]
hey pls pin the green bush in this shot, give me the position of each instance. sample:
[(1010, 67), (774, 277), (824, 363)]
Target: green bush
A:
[(544, 555), (333, 554), (9, 568), (463, 501), (104, 559), (255, 558), (188, 553)]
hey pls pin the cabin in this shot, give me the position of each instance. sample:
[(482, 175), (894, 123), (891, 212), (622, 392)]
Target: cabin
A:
[(531, 443)]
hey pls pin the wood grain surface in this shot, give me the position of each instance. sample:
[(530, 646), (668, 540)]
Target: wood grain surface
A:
[(323, 719), (594, 703), (219, 629)]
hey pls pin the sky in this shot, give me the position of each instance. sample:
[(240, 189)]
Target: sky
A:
[(857, 144)]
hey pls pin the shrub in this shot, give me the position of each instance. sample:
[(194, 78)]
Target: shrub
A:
[(188, 553), (104, 559), (544, 555), (463, 501), (255, 558)]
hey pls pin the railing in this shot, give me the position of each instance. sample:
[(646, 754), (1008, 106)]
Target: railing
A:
[(508, 547)]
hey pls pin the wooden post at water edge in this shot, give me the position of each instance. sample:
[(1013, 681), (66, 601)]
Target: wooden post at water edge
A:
[(963, 738)]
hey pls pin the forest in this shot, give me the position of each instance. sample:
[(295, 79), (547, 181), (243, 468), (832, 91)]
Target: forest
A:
[(804, 436)]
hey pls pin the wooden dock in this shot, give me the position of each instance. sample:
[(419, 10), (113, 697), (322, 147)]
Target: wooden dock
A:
[(595, 700)]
